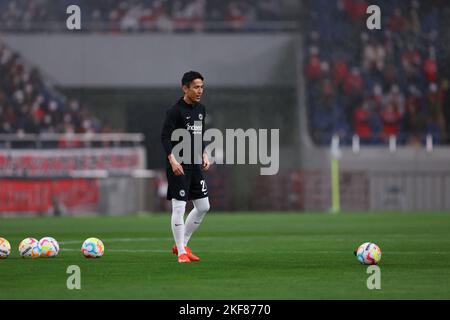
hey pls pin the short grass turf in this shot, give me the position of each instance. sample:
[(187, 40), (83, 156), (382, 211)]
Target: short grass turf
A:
[(243, 256)]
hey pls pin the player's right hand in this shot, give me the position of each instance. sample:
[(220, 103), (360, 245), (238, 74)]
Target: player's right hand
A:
[(177, 168)]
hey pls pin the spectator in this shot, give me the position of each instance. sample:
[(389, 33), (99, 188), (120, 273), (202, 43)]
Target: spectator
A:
[(411, 62), (430, 67), (377, 97), (356, 9), (390, 118), (413, 120), (354, 83), (436, 113), (397, 23), (361, 123), (374, 56), (313, 68), (414, 25), (235, 16), (396, 99), (131, 18), (340, 72)]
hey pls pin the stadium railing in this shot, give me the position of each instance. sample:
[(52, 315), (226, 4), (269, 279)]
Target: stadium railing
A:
[(55, 140)]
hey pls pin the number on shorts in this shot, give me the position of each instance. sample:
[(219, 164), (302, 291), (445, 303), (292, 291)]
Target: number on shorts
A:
[(202, 182)]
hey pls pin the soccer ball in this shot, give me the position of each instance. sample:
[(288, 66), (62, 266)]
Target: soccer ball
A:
[(48, 247), (92, 248), (29, 248), (368, 253), (5, 248)]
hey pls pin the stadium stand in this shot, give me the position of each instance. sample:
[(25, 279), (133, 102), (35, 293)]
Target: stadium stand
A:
[(28, 104), (148, 15), (376, 84)]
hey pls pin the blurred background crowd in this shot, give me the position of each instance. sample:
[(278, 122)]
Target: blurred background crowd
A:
[(144, 15), (380, 84), (28, 104), (390, 82), (310, 68)]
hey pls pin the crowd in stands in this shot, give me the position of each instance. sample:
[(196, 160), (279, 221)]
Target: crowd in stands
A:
[(29, 105), (372, 83), (376, 83), (144, 15)]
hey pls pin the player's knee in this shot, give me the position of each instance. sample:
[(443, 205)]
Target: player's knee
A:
[(178, 206), (202, 205), (206, 208)]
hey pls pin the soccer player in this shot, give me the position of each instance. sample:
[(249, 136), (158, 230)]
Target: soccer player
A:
[(185, 180)]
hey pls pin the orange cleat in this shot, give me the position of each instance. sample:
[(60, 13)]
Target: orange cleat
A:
[(183, 258), (191, 256)]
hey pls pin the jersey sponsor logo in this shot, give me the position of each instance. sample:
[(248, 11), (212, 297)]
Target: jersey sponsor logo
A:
[(196, 129)]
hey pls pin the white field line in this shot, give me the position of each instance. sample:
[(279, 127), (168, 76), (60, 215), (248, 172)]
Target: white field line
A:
[(340, 252), (229, 251), (310, 238), (231, 238), (152, 239), (246, 252), (120, 240), (124, 250)]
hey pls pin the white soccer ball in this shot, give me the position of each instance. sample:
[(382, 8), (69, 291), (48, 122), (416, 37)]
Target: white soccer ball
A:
[(5, 248), (29, 248), (48, 247), (92, 248), (368, 253)]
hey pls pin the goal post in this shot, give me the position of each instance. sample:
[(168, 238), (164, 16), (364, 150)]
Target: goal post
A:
[(335, 155)]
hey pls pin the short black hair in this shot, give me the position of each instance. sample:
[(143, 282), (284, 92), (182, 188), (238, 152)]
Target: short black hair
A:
[(190, 76)]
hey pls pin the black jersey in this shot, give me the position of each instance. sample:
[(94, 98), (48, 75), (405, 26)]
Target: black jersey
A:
[(184, 116)]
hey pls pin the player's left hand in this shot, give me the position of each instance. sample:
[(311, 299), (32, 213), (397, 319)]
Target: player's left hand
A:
[(205, 164)]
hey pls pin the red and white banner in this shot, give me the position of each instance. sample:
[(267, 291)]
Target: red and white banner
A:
[(36, 181), (59, 162), (47, 196)]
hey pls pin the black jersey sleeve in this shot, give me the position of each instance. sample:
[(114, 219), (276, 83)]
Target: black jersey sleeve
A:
[(169, 126)]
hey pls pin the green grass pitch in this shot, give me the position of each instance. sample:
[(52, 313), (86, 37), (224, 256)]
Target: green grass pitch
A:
[(243, 256)]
